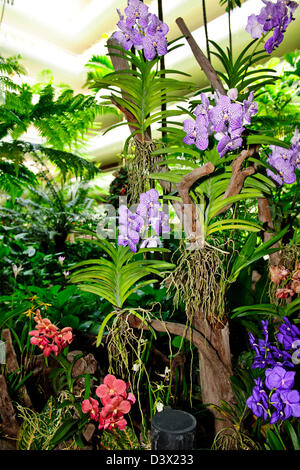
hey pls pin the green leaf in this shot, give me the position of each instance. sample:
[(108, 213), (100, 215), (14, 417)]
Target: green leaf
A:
[(273, 441), (293, 436), (64, 431), (102, 328), (266, 140)]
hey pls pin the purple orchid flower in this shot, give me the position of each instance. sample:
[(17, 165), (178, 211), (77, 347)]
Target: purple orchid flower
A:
[(258, 401), (127, 36), (128, 237), (295, 149), (196, 132), (254, 28), (274, 16), (250, 108), (128, 218), (226, 113), (282, 160), (137, 11), (149, 205), (203, 108), (291, 402), (156, 26), (288, 333), (285, 168), (275, 40), (135, 226), (228, 144), (154, 45), (279, 378), (142, 30), (151, 242), (268, 16)]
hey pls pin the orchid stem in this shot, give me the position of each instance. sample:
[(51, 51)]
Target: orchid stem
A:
[(229, 27), (205, 28)]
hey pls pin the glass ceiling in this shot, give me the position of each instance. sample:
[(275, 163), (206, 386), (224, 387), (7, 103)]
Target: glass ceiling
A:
[(62, 35)]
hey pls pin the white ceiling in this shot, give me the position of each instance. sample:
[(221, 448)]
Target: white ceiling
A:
[(62, 35)]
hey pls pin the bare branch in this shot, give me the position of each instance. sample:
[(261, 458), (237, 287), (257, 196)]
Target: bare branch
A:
[(187, 181), (189, 209), (203, 345), (9, 423), (264, 215), (238, 177), (201, 58)]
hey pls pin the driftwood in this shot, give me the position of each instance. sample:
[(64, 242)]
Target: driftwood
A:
[(9, 424), (183, 188), (13, 365), (201, 58), (264, 215)]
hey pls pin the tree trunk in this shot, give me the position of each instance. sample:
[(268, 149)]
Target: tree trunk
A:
[(215, 371)]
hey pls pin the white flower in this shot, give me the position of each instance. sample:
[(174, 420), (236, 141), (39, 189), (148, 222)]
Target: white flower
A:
[(61, 260), (16, 269), (135, 367), (159, 407)]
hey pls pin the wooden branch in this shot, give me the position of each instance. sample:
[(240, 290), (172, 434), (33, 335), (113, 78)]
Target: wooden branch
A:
[(187, 181), (203, 345), (238, 177), (264, 215), (119, 62), (201, 58), (189, 215), (9, 423), (11, 357)]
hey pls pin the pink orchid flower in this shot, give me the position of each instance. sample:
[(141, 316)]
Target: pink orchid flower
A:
[(91, 406), (48, 337), (117, 407), (111, 423), (111, 387), (284, 293)]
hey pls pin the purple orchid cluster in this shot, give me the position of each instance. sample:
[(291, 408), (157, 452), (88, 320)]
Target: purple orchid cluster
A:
[(285, 161), (226, 119), (142, 30), (275, 398), (146, 224), (274, 16)]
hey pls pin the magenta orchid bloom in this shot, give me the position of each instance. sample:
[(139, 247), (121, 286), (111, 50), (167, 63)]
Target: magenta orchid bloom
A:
[(48, 337), (116, 403), (111, 387), (91, 406), (116, 407)]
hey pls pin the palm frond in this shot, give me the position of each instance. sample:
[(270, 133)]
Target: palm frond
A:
[(120, 276), (66, 162), (142, 89)]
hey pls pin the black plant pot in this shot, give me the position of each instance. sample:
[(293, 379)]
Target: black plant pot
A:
[(173, 430)]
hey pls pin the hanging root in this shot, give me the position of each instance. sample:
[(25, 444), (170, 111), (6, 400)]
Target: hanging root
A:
[(199, 282), (139, 169), (233, 439)]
